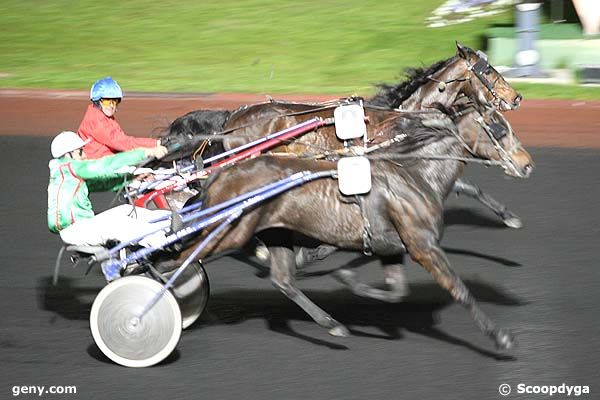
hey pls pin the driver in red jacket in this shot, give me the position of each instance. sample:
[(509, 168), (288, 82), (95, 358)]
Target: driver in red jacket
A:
[(99, 126)]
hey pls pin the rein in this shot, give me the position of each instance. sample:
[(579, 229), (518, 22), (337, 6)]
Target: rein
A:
[(442, 84), (225, 134), (222, 135), (495, 133), (399, 138), (433, 158), (323, 106)]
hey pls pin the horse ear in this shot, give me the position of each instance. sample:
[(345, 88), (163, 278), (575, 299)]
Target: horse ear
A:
[(462, 50)]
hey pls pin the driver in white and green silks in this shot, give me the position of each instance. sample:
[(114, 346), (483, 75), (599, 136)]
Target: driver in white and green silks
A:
[(72, 177)]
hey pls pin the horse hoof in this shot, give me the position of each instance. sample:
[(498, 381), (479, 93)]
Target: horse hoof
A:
[(505, 340), (339, 331), (344, 275), (396, 281), (262, 253), (513, 222)]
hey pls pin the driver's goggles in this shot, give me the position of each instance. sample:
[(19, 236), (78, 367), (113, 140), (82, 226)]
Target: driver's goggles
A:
[(110, 102)]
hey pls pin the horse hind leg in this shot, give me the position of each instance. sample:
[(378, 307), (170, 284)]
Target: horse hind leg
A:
[(509, 218), (282, 275), (307, 255), (394, 278)]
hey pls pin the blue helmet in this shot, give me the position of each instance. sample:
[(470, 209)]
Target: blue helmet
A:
[(106, 88)]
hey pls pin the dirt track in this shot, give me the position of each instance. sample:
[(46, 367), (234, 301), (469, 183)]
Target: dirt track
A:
[(255, 344), (540, 123), (541, 281)]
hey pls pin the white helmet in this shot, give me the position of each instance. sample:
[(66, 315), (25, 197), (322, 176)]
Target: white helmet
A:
[(66, 142)]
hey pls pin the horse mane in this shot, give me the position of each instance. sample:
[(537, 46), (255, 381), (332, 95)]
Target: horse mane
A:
[(392, 96), (421, 132)]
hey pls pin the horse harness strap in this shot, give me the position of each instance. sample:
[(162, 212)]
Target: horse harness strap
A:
[(442, 84), (479, 69), (367, 235)]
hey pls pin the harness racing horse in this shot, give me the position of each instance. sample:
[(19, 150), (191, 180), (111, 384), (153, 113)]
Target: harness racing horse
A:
[(466, 75), (410, 180), (516, 162), (465, 80)]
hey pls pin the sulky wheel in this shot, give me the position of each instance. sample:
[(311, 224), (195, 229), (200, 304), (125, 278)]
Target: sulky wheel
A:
[(124, 338), (191, 290)]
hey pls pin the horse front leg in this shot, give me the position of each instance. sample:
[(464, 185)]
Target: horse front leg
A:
[(394, 278), (283, 270), (468, 189), (425, 250)]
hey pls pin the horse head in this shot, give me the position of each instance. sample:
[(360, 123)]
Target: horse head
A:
[(467, 73), (186, 136), (485, 85), (489, 135)]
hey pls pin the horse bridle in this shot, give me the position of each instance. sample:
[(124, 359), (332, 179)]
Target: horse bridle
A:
[(496, 131), (478, 69)]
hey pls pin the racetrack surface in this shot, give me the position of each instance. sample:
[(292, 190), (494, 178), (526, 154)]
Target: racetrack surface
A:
[(555, 123), (542, 282)]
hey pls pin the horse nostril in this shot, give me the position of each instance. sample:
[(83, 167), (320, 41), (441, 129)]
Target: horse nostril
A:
[(517, 100)]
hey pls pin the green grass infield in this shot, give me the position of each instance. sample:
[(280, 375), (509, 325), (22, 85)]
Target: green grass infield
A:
[(249, 46)]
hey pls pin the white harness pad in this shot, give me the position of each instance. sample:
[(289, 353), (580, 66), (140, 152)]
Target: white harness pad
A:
[(354, 175), (350, 121)]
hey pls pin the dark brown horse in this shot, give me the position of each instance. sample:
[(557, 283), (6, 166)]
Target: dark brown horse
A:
[(467, 75), (404, 206)]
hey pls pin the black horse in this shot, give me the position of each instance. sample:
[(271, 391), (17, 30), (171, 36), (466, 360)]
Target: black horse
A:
[(404, 207)]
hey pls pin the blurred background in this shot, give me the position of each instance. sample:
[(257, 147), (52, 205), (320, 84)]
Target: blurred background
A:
[(541, 281), (301, 46)]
